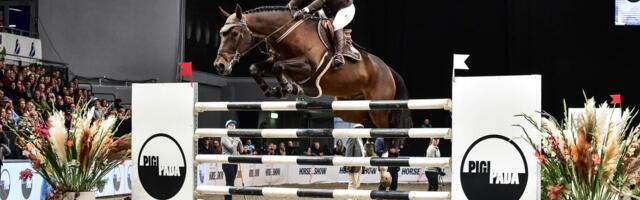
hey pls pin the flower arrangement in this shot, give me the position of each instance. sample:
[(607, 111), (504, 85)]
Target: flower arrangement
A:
[(587, 156), (73, 154)]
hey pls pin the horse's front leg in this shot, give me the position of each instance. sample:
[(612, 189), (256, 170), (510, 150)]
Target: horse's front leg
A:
[(257, 71), (298, 65)]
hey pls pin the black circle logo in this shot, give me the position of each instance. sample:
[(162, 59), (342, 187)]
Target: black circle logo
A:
[(201, 176), (160, 169), (485, 175), (5, 184), (117, 178), (100, 187), (129, 177)]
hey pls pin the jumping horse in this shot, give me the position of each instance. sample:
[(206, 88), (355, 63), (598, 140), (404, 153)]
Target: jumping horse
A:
[(301, 59), (298, 52)]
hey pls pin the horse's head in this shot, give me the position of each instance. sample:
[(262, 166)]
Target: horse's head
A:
[(235, 39)]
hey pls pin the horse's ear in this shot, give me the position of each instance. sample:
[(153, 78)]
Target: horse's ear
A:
[(238, 11), (223, 12)]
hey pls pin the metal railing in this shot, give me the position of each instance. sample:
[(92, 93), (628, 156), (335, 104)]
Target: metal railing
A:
[(111, 81), (20, 32)]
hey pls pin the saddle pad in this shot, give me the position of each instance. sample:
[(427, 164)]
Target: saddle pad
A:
[(325, 33)]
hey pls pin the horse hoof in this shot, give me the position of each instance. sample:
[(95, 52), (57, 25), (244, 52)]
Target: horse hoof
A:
[(272, 92), (289, 89)]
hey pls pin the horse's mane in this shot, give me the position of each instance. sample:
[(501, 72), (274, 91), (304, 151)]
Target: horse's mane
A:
[(267, 9)]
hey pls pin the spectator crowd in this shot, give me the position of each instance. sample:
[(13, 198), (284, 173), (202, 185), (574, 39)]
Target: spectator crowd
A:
[(29, 93)]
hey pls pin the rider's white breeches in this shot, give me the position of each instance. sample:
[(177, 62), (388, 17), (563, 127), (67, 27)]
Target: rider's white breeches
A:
[(344, 17)]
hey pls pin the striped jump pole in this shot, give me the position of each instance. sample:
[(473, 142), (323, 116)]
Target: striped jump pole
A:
[(326, 160), (319, 193), (326, 133), (414, 104)]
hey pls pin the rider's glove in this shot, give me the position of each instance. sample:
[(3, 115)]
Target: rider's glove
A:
[(300, 13)]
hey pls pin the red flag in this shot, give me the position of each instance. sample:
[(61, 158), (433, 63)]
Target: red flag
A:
[(616, 99), (186, 69)]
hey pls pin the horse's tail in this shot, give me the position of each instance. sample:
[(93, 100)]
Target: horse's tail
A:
[(400, 118)]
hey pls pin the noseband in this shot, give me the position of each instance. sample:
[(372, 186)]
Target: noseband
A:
[(236, 54)]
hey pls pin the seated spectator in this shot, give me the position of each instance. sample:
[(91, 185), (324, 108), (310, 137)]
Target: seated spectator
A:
[(100, 111), (249, 148), (315, 150), (25, 122), (426, 123), (205, 146), (40, 101), (282, 150), (291, 149), (8, 106), (217, 149), (339, 149), (271, 149), (60, 105), (22, 107), (11, 91)]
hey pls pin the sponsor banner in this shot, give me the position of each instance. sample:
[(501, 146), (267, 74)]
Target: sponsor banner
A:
[(264, 175), (117, 181), (20, 45), (11, 187)]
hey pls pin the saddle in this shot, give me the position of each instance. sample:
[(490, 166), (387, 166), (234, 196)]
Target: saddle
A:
[(311, 86), (325, 32)]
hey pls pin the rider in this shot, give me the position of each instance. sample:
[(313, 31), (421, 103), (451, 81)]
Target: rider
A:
[(341, 11)]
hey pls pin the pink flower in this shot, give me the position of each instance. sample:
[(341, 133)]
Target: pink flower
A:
[(26, 174), (554, 192), (41, 131)]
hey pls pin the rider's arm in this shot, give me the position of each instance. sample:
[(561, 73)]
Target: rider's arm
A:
[(293, 3), (314, 6)]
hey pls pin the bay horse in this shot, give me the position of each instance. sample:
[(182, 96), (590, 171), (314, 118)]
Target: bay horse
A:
[(298, 52)]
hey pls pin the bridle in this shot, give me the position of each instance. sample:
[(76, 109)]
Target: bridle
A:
[(245, 28)]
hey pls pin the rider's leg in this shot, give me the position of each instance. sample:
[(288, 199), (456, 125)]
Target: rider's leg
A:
[(338, 47), (342, 19)]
